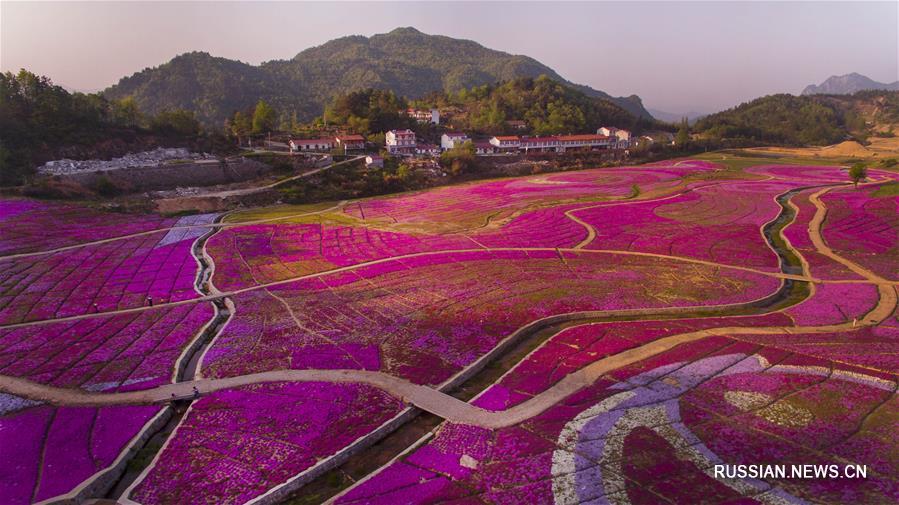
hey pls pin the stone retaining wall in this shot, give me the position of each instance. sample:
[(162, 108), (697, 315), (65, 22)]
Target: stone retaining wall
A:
[(203, 173)]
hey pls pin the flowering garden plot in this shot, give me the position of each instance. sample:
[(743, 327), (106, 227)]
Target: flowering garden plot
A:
[(26, 223), (237, 444), (863, 228), (835, 303), (424, 318), (49, 451), (655, 435), (578, 346), (871, 348), (136, 350), (797, 233), (114, 275), (545, 227), (469, 206), (808, 175), (720, 223), (253, 254)]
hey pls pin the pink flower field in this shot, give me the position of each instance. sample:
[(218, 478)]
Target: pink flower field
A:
[(98, 278), (863, 228), (718, 223), (25, 224), (424, 318), (619, 332), (235, 445), (107, 354), (651, 433)]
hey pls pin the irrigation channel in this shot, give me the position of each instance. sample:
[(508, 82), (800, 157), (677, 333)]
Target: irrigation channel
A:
[(186, 368), (347, 469)]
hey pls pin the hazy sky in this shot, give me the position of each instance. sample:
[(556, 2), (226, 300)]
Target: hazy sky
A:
[(678, 56)]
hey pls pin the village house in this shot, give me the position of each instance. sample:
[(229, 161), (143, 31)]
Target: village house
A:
[(450, 140), (623, 136), (506, 142), (584, 142), (400, 141), (350, 142), (517, 124), (424, 116), (374, 161), (539, 144), (484, 147), (319, 145)]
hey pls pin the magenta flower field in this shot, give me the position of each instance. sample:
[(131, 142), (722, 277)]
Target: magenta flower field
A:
[(619, 332)]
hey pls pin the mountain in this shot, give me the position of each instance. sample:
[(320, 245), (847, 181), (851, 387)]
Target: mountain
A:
[(672, 117), (848, 84), (405, 60)]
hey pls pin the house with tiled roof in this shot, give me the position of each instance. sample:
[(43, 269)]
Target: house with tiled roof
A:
[(400, 141), (318, 145), (350, 142), (506, 142)]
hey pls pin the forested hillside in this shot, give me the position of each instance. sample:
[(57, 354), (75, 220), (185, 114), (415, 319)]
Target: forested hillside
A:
[(803, 120), (545, 105), (406, 61), (40, 121)]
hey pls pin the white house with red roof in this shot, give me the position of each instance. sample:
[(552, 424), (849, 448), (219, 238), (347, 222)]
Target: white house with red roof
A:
[(317, 145), (400, 141), (350, 142), (585, 142), (539, 144), (506, 142)]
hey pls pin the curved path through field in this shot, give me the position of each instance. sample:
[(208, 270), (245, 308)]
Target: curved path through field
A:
[(450, 408)]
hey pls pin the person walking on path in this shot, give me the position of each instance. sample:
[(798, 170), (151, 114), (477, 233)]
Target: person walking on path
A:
[(150, 301)]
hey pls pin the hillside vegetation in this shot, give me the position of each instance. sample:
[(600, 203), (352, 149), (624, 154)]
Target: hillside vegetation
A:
[(804, 120), (547, 107), (405, 61), (41, 121)]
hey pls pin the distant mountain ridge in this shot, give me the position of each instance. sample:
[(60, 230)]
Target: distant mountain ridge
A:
[(673, 117), (847, 85), (407, 61)]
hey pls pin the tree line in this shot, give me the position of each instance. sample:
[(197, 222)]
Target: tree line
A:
[(40, 120)]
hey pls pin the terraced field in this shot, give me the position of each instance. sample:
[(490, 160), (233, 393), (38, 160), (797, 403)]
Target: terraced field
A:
[(600, 336)]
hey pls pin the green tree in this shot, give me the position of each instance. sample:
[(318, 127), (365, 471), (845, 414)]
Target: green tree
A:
[(683, 134), (403, 172), (264, 117), (178, 121), (858, 172), (240, 126), (460, 159), (126, 112)]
